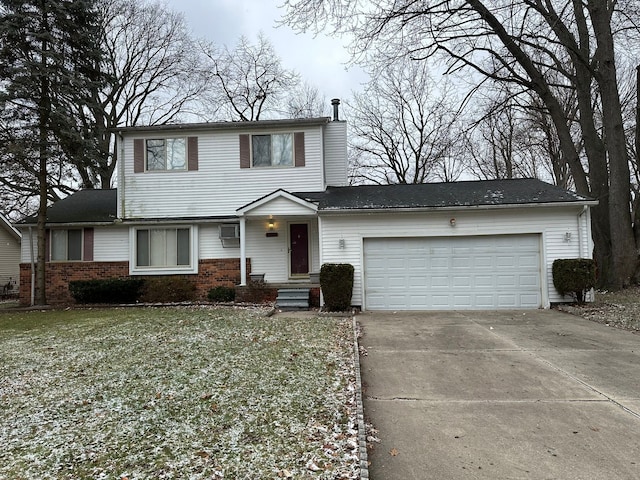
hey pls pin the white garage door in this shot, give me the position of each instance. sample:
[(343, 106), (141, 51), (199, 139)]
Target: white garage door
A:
[(483, 272)]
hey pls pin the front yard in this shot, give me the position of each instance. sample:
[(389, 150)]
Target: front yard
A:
[(194, 392)]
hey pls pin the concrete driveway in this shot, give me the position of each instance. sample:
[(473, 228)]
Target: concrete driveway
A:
[(500, 395)]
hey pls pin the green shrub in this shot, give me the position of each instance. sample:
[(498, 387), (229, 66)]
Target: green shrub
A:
[(110, 290), (222, 294), (168, 290), (574, 276), (336, 282)]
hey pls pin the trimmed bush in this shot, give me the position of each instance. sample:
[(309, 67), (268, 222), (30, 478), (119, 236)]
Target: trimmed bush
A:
[(222, 294), (574, 276), (110, 290), (168, 290), (336, 282)]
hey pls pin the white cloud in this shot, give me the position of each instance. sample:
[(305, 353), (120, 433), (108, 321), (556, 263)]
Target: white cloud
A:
[(320, 60)]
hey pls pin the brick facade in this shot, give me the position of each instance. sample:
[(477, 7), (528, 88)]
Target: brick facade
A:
[(212, 273)]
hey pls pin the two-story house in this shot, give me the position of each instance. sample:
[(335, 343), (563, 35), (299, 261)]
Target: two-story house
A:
[(220, 202)]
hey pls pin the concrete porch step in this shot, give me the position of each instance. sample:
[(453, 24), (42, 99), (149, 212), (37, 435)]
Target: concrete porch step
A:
[(295, 298)]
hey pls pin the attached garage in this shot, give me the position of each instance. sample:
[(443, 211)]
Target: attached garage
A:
[(475, 272), (477, 245)]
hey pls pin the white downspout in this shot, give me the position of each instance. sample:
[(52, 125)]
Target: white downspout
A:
[(581, 233), (320, 253), (243, 251)]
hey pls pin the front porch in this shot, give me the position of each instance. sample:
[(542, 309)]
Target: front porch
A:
[(280, 233)]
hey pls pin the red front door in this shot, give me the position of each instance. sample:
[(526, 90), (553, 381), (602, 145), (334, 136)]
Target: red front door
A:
[(299, 248)]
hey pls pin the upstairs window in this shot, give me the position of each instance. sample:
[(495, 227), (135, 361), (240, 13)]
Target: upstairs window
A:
[(166, 154), (272, 150)]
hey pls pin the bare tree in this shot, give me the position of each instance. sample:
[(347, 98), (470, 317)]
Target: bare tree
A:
[(249, 80), (305, 101), (151, 63), (515, 138), (402, 127), (531, 43), (150, 72)]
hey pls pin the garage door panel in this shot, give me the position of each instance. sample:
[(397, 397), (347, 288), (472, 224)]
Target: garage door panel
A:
[(479, 272)]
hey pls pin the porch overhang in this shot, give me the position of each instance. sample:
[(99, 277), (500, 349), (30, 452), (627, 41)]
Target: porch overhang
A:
[(277, 204)]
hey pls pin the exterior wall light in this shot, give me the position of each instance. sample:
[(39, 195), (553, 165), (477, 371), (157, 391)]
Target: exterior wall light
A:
[(567, 237), (271, 228), (341, 243), (452, 222)]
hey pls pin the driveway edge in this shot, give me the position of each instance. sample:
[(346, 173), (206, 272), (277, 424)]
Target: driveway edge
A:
[(362, 432)]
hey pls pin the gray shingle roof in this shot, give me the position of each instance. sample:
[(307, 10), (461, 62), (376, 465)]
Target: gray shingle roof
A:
[(434, 195), (85, 206)]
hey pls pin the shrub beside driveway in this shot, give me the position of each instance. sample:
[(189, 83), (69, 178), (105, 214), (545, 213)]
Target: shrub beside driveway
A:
[(193, 392)]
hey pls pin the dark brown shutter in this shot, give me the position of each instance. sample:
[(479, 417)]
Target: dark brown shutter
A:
[(245, 151), (192, 153), (87, 254), (138, 155), (298, 142), (47, 246)]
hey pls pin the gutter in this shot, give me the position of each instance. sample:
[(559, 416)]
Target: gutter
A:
[(343, 211), (72, 224), (252, 125)]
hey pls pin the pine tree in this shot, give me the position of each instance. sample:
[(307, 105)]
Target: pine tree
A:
[(49, 61)]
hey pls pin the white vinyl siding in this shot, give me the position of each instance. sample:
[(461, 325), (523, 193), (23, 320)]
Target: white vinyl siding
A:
[(219, 186), (111, 244), (549, 222), (335, 154)]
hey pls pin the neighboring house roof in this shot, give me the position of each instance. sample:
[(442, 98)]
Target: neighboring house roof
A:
[(85, 206), (298, 122), (525, 191), (6, 224)]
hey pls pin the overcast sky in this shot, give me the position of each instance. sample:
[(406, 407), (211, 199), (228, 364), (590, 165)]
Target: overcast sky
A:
[(321, 60)]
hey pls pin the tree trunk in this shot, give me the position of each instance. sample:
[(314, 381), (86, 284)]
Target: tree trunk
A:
[(44, 114), (624, 257)]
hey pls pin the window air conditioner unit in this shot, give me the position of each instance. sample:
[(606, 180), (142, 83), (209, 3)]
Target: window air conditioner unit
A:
[(230, 234)]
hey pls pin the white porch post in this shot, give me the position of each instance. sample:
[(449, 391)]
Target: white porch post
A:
[(243, 251)]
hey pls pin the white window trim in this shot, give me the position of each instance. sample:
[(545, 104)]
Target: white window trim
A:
[(177, 270)]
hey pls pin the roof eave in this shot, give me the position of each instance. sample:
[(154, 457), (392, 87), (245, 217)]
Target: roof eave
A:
[(252, 125), (458, 207)]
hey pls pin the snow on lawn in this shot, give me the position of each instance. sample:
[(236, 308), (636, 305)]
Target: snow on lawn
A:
[(194, 392)]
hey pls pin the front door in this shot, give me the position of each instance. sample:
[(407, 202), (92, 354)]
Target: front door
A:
[(299, 248)]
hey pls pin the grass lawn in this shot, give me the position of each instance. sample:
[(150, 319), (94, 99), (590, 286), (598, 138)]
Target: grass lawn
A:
[(194, 392)]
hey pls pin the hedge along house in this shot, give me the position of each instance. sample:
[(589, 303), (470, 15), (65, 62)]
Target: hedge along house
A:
[(218, 203)]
